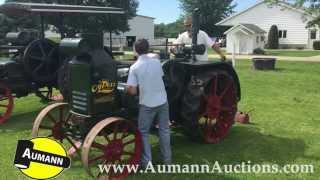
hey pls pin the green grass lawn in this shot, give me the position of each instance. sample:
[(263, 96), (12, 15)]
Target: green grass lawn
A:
[(293, 53), (284, 130), (288, 53)]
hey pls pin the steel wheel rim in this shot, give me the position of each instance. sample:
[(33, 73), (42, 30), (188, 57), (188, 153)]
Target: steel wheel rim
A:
[(104, 157)]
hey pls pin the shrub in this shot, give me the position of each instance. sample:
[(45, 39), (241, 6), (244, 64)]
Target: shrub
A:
[(259, 51), (316, 45), (273, 38)]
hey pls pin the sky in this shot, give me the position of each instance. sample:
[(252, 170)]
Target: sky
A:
[(167, 11)]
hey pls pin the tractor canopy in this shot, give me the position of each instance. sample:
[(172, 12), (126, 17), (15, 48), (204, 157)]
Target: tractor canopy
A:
[(22, 9)]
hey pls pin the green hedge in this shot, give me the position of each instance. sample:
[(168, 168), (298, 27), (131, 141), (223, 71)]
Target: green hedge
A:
[(316, 45)]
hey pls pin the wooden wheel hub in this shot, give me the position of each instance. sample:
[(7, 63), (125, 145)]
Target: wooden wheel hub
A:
[(114, 150)]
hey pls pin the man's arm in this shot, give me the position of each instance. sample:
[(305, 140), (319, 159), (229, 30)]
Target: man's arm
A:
[(214, 46), (132, 83), (217, 49), (179, 40)]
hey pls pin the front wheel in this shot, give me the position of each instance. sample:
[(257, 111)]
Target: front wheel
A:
[(113, 141)]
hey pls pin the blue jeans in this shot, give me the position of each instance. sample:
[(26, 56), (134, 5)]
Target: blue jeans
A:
[(145, 120)]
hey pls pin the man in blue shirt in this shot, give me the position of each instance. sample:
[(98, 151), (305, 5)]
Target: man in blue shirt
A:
[(146, 74)]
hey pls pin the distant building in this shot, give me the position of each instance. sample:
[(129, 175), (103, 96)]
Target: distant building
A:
[(246, 33), (140, 27)]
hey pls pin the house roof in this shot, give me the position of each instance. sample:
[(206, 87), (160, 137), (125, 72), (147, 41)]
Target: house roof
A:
[(248, 29), (148, 17), (254, 28), (283, 4)]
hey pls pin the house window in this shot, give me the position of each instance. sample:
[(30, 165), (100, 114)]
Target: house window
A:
[(283, 34), (262, 38), (313, 34), (280, 34), (257, 39)]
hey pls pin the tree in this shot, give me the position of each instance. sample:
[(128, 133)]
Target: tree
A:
[(171, 30), (273, 38), (90, 23), (211, 12)]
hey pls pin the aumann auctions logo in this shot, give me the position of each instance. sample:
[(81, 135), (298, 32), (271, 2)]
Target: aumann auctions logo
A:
[(41, 158)]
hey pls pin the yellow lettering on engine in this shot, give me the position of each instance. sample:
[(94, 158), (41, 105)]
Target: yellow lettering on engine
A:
[(104, 87)]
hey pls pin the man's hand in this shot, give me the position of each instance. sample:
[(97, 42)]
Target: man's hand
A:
[(223, 58), (131, 90)]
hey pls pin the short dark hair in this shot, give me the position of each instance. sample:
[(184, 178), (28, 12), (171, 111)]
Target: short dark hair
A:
[(141, 46)]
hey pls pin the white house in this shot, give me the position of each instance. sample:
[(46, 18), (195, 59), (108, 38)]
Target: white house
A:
[(140, 27), (291, 23)]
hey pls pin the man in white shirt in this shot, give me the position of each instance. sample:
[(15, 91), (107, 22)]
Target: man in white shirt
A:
[(146, 74), (203, 38)]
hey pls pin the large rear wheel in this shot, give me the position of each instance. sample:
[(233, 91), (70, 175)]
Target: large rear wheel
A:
[(210, 104)]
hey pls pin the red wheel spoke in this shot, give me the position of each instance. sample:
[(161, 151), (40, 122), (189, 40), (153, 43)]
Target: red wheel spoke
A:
[(129, 142), (96, 159), (45, 127), (226, 89), (215, 85), (98, 146), (124, 135), (61, 113), (115, 130), (125, 132), (107, 137)]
